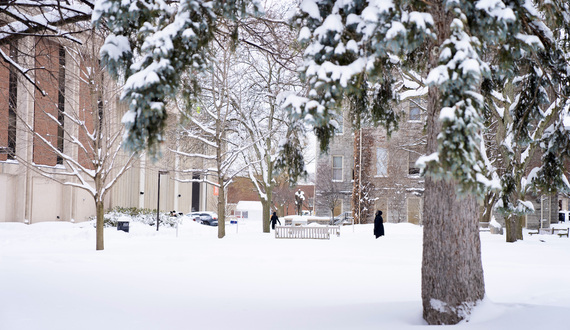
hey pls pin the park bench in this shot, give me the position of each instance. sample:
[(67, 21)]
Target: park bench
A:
[(306, 232), (551, 231), (561, 231)]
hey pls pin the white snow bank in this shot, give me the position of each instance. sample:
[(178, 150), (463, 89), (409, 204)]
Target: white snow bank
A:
[(51, 278)]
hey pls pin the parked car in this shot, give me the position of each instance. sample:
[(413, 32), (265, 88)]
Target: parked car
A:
[(205, 218), (343, 219)]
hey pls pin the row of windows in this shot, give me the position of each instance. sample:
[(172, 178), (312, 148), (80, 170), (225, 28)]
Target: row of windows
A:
[(381, 164), (51, 77), (414, 114)]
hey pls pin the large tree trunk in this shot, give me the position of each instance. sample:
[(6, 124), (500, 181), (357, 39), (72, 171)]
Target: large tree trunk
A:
[(511, 228), (452, 272), (100, 211), (488, 205)]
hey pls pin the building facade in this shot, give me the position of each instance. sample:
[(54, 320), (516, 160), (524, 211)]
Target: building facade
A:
[(59, 115), (390, 179)]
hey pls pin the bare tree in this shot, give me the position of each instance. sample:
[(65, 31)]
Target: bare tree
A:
[(328, 192), (283, 196), (212, 121), (43, 19), (270, 72), (76, 128)]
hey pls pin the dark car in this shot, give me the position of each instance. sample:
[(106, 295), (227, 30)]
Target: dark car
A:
[(205, 218)]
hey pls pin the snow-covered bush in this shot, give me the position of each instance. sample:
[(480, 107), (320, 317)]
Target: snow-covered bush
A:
[(146, 216)]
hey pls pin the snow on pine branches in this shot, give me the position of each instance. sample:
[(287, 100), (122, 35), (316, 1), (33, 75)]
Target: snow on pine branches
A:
[(152, 45)]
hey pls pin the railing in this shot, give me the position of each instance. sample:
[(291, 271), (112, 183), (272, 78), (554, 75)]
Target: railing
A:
[(306, 232)]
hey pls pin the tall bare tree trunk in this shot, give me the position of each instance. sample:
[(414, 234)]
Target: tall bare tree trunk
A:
[(100, 211), (221, 209), (488, 205), (266, 207), (268, 184), (452, 272)]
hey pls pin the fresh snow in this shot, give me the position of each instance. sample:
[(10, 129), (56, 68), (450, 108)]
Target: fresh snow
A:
[(311, 8), (567, 123), (52, 278)]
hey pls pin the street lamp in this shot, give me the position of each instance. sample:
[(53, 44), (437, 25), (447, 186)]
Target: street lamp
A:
[(158, 199)]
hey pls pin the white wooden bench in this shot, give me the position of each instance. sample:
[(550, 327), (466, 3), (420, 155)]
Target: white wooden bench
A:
[(561, 231), (551, 231), (306, 232)]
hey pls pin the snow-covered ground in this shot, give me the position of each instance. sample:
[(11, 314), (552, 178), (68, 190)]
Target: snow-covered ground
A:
[(51, 277)]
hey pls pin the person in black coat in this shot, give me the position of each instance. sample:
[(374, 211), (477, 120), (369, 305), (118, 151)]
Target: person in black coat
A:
[(274, 219), (378, 224)]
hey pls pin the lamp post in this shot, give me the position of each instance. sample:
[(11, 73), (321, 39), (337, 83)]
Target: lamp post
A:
[(158, 200)]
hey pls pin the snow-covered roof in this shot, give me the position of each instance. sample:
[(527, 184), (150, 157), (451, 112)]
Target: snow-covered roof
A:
[(249, 205)]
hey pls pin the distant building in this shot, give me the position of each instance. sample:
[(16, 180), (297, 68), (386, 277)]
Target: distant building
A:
[(241, 189), (388, 169), (26, 196), (389, 176)]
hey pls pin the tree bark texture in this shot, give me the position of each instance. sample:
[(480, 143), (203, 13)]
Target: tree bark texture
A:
[(266, 207), (363, 208), (452, 272), (100, 210), (221, 209), (511, 228)]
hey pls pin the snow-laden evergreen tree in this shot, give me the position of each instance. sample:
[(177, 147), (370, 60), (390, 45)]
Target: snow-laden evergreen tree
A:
[(526, 105), (153, 43), (353, 49)]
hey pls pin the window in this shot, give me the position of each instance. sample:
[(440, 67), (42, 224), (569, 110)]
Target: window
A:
[(337, 168), (415, 113), (412, 167), (61, 103), (381, 162), (12, 103)]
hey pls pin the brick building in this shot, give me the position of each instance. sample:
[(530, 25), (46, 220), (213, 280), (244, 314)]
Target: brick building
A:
[(29, 119), (242, 189), (390, 179), (388, 169)]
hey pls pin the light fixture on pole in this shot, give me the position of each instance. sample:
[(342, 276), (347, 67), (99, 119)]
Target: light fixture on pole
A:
[(158, 199)]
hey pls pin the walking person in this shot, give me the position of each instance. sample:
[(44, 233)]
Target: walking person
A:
[(378, 224), (274, 219)]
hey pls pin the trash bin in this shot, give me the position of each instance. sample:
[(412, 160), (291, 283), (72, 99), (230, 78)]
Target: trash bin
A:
[(123, 224)]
